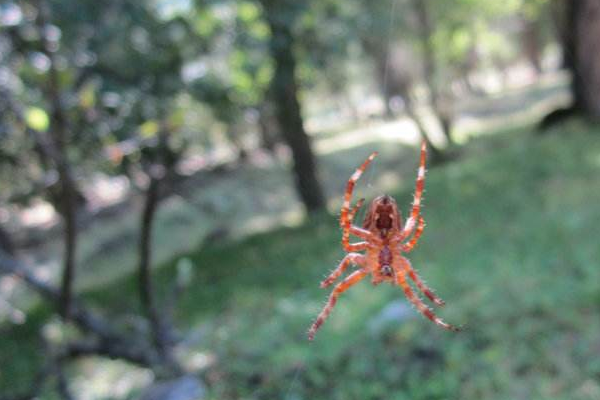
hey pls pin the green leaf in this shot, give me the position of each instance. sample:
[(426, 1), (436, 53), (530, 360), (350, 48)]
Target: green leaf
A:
[(205, 23), (36, 118), (87, 96), (149, 129), (248, 11)]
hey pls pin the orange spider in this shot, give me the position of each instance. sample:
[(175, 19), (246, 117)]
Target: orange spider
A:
[(383, 235)]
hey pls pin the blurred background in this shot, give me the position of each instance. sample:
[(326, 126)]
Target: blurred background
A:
[(171, 173)]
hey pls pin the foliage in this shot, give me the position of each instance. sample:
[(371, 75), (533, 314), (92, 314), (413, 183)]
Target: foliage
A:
[(111, 89), (126, 65)]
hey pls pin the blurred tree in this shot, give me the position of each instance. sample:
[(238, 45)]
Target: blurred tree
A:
[(97, 89), (234, 76), (111, 89), (440, 100), (532, 46), (148, 68), (56, 149), (536, 31), (584, 23), (78, 88), (577, 23), (393, 41), (329, 47), (281, 16), (372, 22), (6, 243)]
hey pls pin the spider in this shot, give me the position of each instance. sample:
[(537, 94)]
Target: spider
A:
[(383, 235)]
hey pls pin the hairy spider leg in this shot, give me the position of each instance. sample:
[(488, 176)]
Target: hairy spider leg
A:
[(351, 258), (419, 282), (416, 208), (357, 207), (418, 303), (351, 280), (360, 246), (407, 247), (345, 220)]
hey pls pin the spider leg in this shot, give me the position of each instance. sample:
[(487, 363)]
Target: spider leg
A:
[(357, 246), (346, 215), (416, 208), (420, 284), (357, 206), (351, 258), (418, 303), (351, 280), (406, 247), (361, 233)]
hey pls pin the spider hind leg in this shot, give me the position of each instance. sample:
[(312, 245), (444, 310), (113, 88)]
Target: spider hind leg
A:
[(425, 289), (418, 303), (419, 282), (350, 281), (351, 258)]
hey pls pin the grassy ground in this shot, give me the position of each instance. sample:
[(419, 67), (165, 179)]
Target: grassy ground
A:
[(511, 245)]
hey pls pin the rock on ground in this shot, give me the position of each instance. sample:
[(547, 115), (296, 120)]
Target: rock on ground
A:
[(184, 388)]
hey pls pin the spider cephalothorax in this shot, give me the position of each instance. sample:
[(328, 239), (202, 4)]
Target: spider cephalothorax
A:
[(383, 216), (383, 235)]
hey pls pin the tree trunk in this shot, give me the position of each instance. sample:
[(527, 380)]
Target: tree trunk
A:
[(284, 88), (439, 105), (6, 243), (384, 73), (145, 278), (382, 69), (437, 156), (268, 128), (160, 330), (585, 26), (531, 44), (560, 11), (578, 25), (56, 146)]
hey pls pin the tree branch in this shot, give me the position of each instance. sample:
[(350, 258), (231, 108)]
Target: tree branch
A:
[(161, 333), (145, 279), (56, 147), (110, 343)]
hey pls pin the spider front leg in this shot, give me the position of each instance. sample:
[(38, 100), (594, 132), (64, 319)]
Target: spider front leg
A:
[(419, 282), (418, 303), (406, 247), (346, 215), (357, 207), (351, 258), (420, 185), (360, 246), (351, 280)]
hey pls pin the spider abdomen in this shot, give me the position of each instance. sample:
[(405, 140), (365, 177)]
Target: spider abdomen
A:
[(385, 258), (382, 264)]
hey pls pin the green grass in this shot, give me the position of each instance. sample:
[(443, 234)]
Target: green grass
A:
[(511, 244)]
